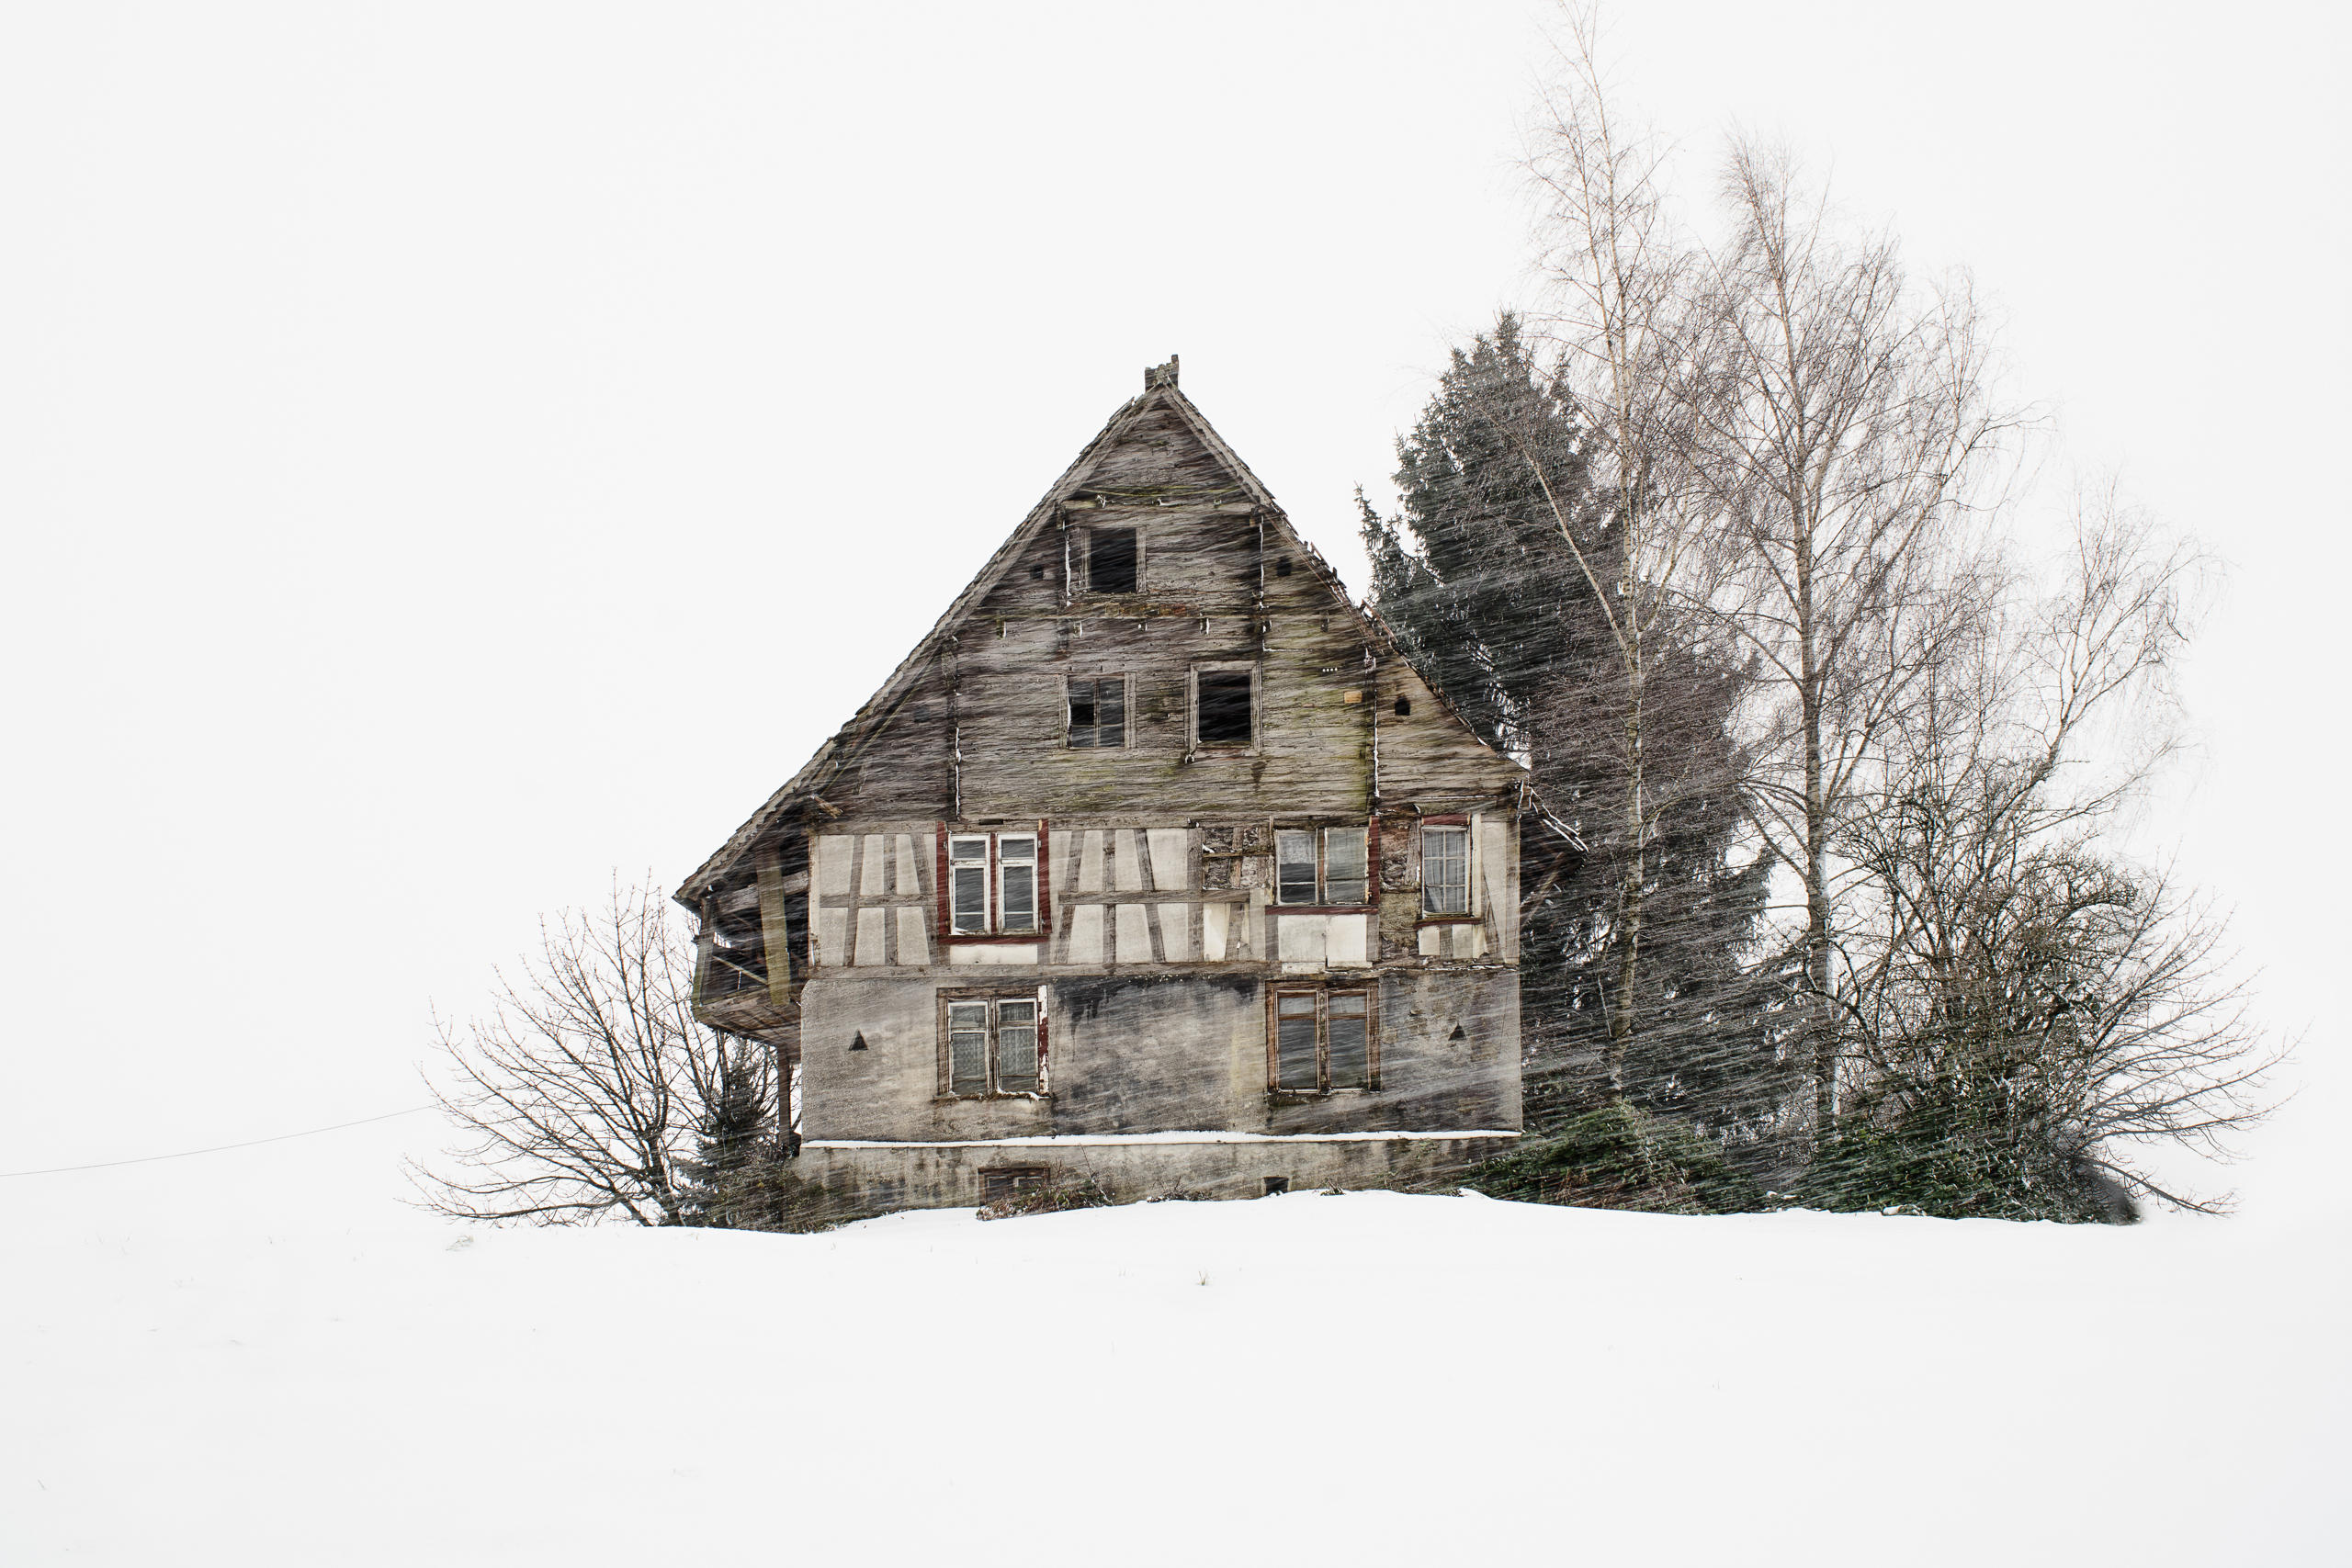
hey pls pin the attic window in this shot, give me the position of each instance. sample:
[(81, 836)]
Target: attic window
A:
[(1113, 556), (1224, 704), (1098, 711), (1282, 566), (1404, 707)]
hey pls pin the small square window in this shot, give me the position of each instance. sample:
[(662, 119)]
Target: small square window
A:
[(1337, 877), (1113, 561), (1323, 1040), (1098, 711), (1224, 708), (995, 1045)]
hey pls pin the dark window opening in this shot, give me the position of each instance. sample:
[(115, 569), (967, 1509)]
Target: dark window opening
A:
[(1111, 558), (1277, 1184), (1098, 712), (1224, 708), (1404, 707), (1282, 566), (858, 1044), (1036, 574), (1457, 1034)]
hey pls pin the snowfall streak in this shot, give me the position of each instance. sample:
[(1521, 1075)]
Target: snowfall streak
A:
[(1154, 833)]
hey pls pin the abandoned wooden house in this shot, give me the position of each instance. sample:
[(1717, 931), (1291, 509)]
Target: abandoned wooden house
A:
[(1153, 863)]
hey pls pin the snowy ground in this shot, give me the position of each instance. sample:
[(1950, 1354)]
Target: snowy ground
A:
[(1301, 1379)]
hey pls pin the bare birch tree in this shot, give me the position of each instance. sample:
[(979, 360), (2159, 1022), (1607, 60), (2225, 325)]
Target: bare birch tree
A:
[(1841, 425), (1625, 281), (584, 1093)]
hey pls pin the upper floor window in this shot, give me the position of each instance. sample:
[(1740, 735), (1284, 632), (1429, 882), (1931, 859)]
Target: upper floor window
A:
[(1224, 706), (1114, 560), (991, 883), (1098, 711), (1445, 871), (1321, 866)]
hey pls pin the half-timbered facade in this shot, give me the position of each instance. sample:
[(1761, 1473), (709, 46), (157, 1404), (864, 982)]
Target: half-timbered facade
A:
[(1153, 862)]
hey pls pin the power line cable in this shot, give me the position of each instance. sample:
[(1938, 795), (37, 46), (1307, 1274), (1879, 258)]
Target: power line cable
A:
[(216, 1148)]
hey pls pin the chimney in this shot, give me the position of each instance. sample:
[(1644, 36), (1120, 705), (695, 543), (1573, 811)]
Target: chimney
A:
[(1161, 375)]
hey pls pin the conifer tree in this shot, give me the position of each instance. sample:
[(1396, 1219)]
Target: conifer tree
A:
[(732, 1142), (1498, 607)]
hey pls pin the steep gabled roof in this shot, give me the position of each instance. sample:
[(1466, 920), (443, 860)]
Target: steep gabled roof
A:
[(1160, 391)]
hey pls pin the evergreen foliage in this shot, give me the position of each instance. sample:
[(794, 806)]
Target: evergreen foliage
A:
[(727, 1178), (1618, 1156), (1494, 610)]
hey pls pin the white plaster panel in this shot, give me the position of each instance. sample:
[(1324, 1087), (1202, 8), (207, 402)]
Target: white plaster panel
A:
[(914, 936), (907, 881), (870, 924), (1469, 942), (1126, 866), (1090, 862), (1346, 939), (1176, 930), (832, 864), (993, 953), (832, 931), (1134, 934), (1086, 934), (1213, 919), (1171, 853), (1432, 942), (1302, 939), (870, 875), (1492, 863)]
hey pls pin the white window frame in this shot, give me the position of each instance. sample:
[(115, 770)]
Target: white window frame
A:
[(1469, 871), (991, 864), (1192, 708)]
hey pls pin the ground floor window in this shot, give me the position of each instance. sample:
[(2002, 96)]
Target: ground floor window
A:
[(994, 1045), (1323, 1040)]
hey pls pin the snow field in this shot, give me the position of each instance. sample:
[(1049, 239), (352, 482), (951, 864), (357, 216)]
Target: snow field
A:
[(1305, 1380)]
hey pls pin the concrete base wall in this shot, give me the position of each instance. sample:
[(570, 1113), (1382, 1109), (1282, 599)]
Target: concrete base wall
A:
[(833, 1182)]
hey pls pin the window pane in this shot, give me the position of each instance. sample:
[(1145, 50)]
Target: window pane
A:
[(1294, 858), (1018, 912), (968, 1060), (1343, 875), (1111, 712), (1445, 871), (1349, 1036), (1111, 561), (1016, 1047), (973, 849), (971, 902), (1010, 848), (1294, 1044), (1224, 708), (1082, 713)]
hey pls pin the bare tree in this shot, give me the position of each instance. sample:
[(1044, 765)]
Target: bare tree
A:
[(587, 1091), (1841, 426), (1625, 279), (2025, 1007)]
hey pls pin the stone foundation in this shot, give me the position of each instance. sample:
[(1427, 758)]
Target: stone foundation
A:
[(832, 1181)]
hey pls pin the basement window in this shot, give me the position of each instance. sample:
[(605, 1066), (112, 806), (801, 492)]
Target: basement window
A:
[(1320, 867), (994, 1045), (1098, 711), (1008, 1181), (1323, 1041), (1225, 704), (1114, 560)]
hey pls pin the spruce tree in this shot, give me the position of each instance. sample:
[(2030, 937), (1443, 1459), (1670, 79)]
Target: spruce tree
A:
[(1495, 610), (732, 1150)]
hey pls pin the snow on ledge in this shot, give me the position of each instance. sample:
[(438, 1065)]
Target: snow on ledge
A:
[(1102, 1140)]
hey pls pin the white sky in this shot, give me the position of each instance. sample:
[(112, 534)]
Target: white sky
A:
[(449, 452)]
